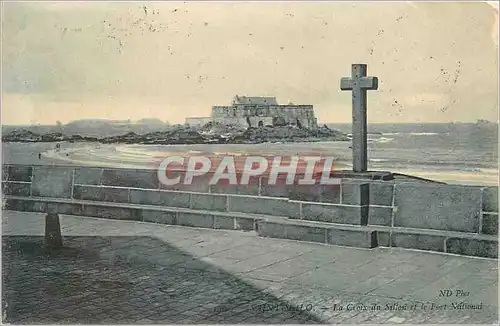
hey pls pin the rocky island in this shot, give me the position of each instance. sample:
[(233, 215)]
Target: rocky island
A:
[(181, 134), (248, 120)]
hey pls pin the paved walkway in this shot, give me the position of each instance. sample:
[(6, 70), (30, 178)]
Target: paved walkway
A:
[(134, 272)]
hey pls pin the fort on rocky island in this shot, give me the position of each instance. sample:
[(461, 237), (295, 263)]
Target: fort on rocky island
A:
[(254, 112)]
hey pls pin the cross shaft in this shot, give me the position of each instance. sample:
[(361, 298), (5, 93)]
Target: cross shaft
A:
[(359, 83)]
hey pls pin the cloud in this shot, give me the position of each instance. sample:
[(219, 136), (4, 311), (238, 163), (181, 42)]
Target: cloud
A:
[(72, 60)]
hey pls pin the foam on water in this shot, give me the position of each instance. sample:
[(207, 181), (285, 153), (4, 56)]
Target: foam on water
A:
[(423, 133), (384, 140)]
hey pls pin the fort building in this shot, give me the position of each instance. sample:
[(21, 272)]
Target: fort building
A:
[(248, 111)]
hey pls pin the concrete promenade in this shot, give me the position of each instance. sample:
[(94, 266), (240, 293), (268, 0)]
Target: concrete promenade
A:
[(114, 271)]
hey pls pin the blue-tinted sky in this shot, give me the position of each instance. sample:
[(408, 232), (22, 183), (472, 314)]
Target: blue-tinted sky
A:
[(436, 62)]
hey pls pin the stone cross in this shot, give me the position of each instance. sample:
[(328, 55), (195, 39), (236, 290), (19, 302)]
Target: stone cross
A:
[(359, 84)]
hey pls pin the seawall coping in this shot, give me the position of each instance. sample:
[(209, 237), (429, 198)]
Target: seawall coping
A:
[(469, 244), (275, 219), (449, 234), (472, 247), (361, 237), (333, 234), (128, 205)]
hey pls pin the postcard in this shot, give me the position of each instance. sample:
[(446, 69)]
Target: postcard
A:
[(249, 162)]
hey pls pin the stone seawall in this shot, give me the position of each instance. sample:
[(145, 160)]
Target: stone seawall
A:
[(367, 213)]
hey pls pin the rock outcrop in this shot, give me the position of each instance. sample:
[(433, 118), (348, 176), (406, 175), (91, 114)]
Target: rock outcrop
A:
[(285, 134), (22, 135), (26, 136), (209, 133)]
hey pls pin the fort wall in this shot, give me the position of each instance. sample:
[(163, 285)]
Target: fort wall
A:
[(278, 114), (259, 111)]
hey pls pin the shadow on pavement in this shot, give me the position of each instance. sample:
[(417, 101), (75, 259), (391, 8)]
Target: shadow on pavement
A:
[(128, 280)]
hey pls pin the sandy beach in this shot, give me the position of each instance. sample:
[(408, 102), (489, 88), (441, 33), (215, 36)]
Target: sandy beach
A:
[(149, 157)]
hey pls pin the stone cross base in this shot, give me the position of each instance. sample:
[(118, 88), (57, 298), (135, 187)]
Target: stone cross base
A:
[(53, 237)]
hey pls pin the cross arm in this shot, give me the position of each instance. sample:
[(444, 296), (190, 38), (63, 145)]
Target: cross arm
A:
[(347, 83), (369, 83)]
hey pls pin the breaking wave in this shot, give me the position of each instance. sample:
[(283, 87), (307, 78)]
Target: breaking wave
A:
[(384, 140), (423, 133), (410, 133)]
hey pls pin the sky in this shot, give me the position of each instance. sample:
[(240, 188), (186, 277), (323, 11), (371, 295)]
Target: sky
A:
[(436, 62)]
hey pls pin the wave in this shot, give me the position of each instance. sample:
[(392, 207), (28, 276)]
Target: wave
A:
[(410, 133), (131, 150), (384, 140), (379, 140), (423, 133)]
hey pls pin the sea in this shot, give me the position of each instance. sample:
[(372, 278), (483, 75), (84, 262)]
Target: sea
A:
[(455, 153), (452, 152), (464, 146)]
